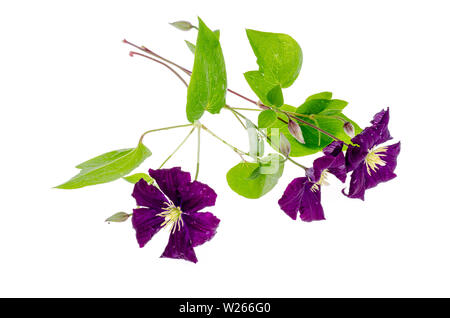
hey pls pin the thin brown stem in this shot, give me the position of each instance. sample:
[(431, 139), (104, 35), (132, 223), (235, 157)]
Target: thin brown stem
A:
[(132, 53)]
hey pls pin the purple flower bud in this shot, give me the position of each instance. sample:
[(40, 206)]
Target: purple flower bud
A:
[(296, 132), (285, 145), (261, 105), (349, 129)]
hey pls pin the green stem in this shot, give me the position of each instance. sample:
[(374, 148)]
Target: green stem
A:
[(160, 129), (237, 150), (297, 164), (249, 109), (198, 153), (176, 149)]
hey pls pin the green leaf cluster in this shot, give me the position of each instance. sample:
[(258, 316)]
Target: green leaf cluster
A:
[(318, 109)]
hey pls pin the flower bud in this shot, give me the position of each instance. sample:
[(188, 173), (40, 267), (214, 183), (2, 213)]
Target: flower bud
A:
[(349, 129), (261, 105), (182, 25), (118, 217), (296, 132), (285, 145)]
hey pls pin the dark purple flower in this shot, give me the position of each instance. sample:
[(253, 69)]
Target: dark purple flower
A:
[(175, 205), (370, 164), (303, 194)]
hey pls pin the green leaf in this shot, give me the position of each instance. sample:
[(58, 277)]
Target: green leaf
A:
[(191, 46), (334, 107), (266, 118), (275, 96), (208, 84), (104, 158), (260, 86), (243, 179), (278, 55), (322, 104), (323, 95), (107, 167), (134, 178)]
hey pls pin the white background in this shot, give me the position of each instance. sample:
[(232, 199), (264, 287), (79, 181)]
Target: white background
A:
[(69, 91)]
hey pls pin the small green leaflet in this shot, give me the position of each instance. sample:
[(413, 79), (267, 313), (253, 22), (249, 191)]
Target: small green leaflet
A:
[(260, 86), (275, 96), (191, 45), (253, 180), (208, 84), (322, 95), (279, 58), (134, 178), (107, 167), (266, 118)]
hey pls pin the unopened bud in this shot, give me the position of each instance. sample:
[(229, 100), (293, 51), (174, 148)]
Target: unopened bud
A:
[(261, 105), (285, 145), (349, 129), (118, 217), (296, 132), (182, 25)]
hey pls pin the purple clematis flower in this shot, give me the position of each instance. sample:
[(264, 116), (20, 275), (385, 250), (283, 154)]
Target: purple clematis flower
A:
[(370, 164), (175, 205), (303, 194)]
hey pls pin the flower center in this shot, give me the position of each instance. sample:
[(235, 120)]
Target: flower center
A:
[(172, 217), (322, 181), (373, 159)]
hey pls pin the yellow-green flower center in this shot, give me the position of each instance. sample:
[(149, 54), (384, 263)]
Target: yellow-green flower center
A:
[(373, 159), (322, 181), (172, 217)]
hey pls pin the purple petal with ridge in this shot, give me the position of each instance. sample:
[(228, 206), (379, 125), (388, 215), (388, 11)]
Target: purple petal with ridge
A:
[(146, 223), (148, 195), (195, 196), (375, 134), (290, 201), (201, 226), (310, 207), (170, 181), (361, 180), (180, 246)]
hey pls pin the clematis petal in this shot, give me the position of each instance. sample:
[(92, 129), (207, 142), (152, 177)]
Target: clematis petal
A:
[(334, 148), (357, 183), (180, 246), (195, 196), (354, 156), (290, 201), (310, 206), (148, 195), (338, 167), (170, 181), (363, 177), (201, 226), (385, 172), (333, 162), (146, 223), (375, 134)]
